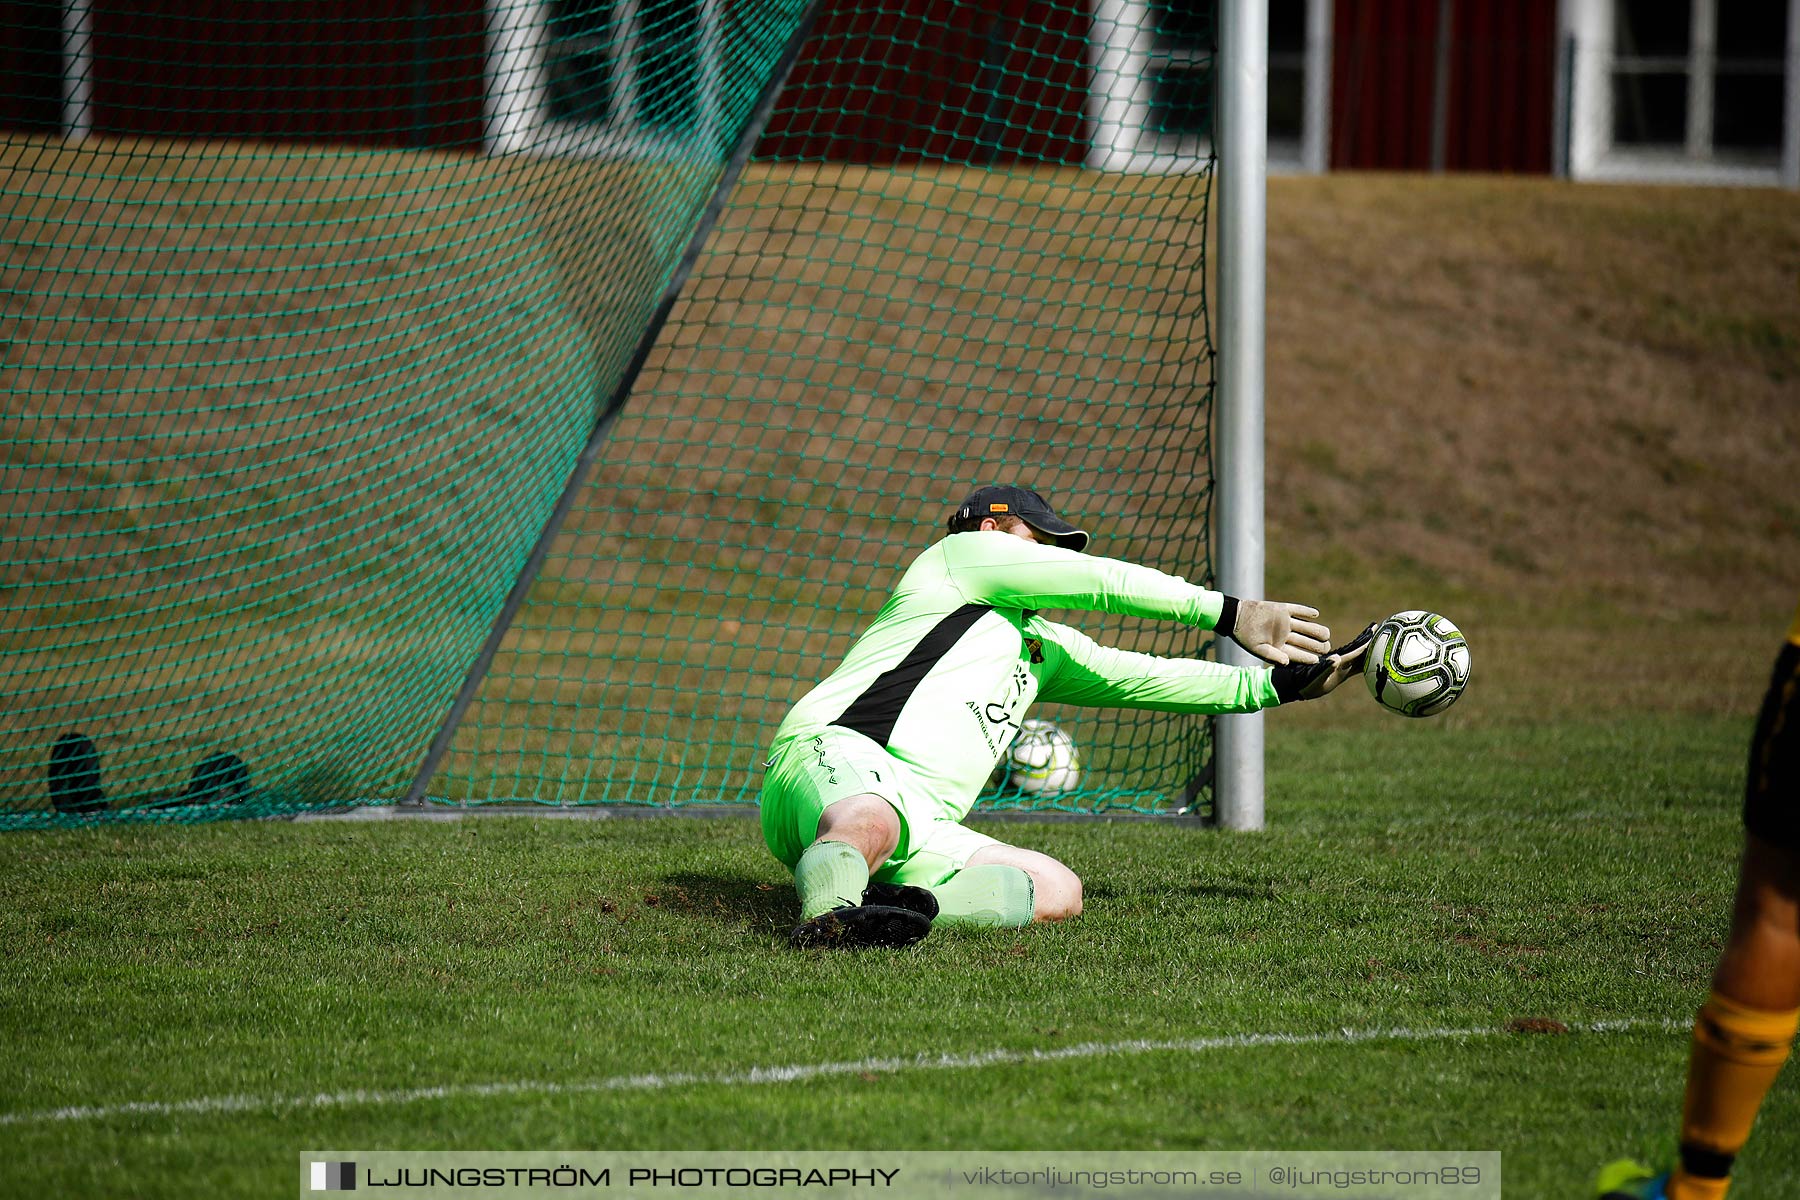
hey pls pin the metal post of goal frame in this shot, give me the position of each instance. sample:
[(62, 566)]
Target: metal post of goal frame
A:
[(1242, 145)]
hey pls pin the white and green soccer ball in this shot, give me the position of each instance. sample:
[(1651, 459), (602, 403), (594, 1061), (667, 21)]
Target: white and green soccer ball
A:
[(1042, 760), (1418, 663)]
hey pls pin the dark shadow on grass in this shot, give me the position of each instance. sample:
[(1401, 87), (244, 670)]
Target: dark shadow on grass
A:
[(733, 900)]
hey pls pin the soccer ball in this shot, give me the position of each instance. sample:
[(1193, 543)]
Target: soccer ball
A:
[(1418, 663), (1042, 761)]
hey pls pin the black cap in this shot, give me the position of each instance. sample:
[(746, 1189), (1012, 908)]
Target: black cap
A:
[(1003, 501)]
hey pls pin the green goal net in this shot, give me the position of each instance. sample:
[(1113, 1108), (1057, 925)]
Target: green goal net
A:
[(525, 402)]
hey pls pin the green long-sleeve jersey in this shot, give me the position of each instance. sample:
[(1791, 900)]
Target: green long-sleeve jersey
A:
[(945, 674)]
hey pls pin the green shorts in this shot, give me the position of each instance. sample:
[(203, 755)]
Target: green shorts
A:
[(808, 774)]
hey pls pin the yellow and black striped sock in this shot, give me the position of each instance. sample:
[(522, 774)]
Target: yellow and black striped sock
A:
[(1737, 1052)]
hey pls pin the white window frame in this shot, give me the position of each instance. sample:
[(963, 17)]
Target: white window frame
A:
[(1311, 154), (517, 107), (1124, 57), (1587, 29)]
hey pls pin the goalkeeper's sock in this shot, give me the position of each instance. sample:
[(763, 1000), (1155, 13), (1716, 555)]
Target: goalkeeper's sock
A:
[(1737, 1052), (829, 875), (991, 896)]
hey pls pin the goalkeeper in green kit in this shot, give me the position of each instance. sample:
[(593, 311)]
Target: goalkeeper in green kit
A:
[(871, 774)]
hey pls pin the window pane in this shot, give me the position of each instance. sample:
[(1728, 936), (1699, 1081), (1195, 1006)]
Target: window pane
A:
[(1651, 28), (1752, 31), (1183, 24), (1747, 112), (580, 18), (1287, 27), (1181, 102), (578, 64), (1650, 109), (668, 62), (1287, 103)]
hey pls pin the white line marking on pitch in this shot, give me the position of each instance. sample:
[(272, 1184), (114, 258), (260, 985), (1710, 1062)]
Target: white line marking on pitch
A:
[(789, 1074)]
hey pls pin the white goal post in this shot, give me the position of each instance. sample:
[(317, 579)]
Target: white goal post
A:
[(1242, 131)]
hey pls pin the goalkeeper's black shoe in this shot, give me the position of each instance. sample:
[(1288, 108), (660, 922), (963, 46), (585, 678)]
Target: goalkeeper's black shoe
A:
[(903, 895), (855, 926)]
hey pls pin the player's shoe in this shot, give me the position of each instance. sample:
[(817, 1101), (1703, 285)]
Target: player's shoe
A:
[(855, 926), (903, 895), (1629, 1180)]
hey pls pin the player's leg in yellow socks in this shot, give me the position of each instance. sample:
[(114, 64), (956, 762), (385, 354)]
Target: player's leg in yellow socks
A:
[(1745, 1031)]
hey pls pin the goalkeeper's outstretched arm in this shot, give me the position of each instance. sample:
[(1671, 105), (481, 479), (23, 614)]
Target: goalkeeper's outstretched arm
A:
[(1085, 672), (1018, 573)]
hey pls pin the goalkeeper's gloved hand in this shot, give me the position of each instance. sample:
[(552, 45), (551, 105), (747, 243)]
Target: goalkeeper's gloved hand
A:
[(1309, 681), (1274, 630)]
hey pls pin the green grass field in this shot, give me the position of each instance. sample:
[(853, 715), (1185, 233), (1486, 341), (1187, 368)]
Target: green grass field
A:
[(1563, 415), (186, 1009)]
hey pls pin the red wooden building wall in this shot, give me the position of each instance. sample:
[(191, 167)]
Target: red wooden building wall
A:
[(375, 71), (1002, 81), (996, 81), (382, 72), (1500, 92)]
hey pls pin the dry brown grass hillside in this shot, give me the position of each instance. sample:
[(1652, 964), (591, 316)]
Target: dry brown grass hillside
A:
[(1566, 415), (1543, 402)]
